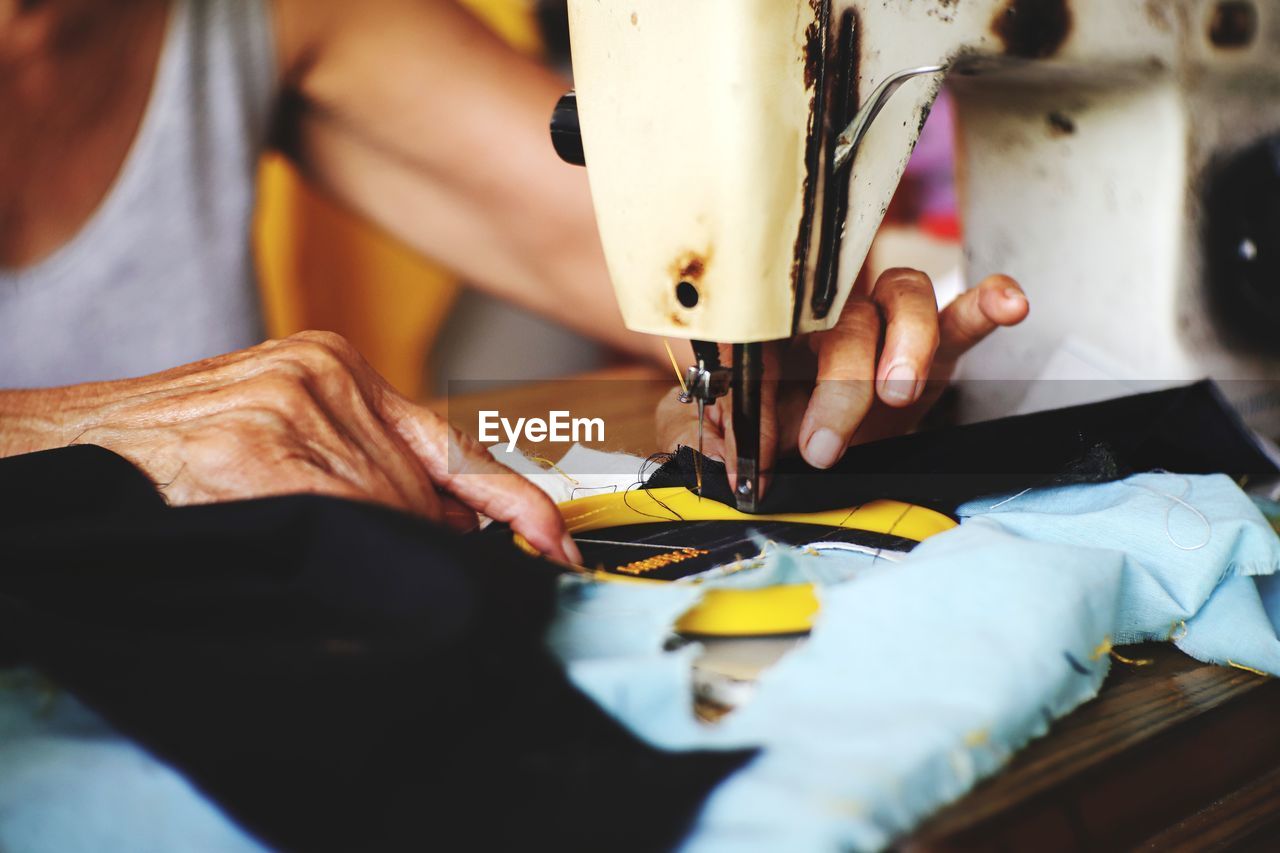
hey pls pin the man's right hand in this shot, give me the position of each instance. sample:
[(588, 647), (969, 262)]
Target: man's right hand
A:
[(302, 415)]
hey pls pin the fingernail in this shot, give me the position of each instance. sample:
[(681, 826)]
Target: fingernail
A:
[(900, 384), (570, 549), (824, 448), (1014, 295)]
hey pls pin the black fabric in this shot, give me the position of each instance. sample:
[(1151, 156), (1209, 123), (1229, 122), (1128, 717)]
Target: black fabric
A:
[(1190, 430), (336, 675), (73, 483)]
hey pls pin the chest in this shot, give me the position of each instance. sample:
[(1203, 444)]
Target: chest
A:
[(70, 121)]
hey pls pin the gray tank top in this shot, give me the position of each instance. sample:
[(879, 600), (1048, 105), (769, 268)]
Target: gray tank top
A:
[(162, 272)]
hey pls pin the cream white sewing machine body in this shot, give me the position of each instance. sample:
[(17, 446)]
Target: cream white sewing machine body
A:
[(1087, 131)]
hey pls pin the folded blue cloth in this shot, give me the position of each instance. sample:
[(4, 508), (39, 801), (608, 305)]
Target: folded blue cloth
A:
[(922, 677)]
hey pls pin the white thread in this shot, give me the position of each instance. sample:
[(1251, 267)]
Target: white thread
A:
[(1178, 500), (892, 556), (635, 544), (1008, 500), (612, 487), (1168, 513)]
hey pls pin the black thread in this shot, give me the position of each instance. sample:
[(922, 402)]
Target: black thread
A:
[(642, 477)]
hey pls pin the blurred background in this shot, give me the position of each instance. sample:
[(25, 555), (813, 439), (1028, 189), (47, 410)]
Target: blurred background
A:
[(324, 268)]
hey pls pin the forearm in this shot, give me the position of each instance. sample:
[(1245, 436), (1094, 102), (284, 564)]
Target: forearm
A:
[(544, 257)]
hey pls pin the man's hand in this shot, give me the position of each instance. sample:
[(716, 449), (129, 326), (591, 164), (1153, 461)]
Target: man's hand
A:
[(302, 415), (877, 371)]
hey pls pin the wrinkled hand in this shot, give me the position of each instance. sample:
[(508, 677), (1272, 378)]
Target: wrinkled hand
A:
[(886, 361), (305, 415)]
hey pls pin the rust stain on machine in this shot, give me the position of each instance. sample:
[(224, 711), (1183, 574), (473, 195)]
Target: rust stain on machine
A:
[(1033, 29), (815, 60), (687, 271), (691, 267)]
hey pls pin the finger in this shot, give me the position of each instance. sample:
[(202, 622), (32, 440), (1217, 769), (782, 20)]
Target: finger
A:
[(844, 391), (460, 466), (481, 482), (997, 301), (770, 425), (910, 309), (793, 401)]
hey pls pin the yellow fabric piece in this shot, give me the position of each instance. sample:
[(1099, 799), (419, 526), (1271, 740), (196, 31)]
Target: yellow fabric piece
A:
[(769, 611), (648, 506), (323, 267), (766, 612)]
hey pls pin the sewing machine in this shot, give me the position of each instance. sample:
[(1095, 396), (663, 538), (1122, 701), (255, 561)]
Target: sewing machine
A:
[(1114, 156)]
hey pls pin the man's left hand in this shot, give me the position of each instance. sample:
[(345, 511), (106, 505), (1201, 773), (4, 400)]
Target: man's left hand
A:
[(873, 375)]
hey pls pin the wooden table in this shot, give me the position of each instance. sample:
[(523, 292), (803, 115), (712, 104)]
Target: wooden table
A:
[(1174, 755)]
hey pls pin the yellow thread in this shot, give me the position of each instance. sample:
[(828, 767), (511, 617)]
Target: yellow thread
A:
[(1131, 661), (554, 467), (739, 566), (977, 738), (1248, 669), (573, 520), (660, 561), (676, 365), (1102, 649), (1173, 630), (847, 808)]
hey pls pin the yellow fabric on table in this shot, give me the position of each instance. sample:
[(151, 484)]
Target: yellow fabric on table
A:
[(323, 267), (762, 611)]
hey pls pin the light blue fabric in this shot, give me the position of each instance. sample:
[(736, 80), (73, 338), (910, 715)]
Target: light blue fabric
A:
[(923, 677), (70, 784)]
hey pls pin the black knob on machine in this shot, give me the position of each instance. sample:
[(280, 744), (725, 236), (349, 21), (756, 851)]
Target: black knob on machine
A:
[(566, 136)]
